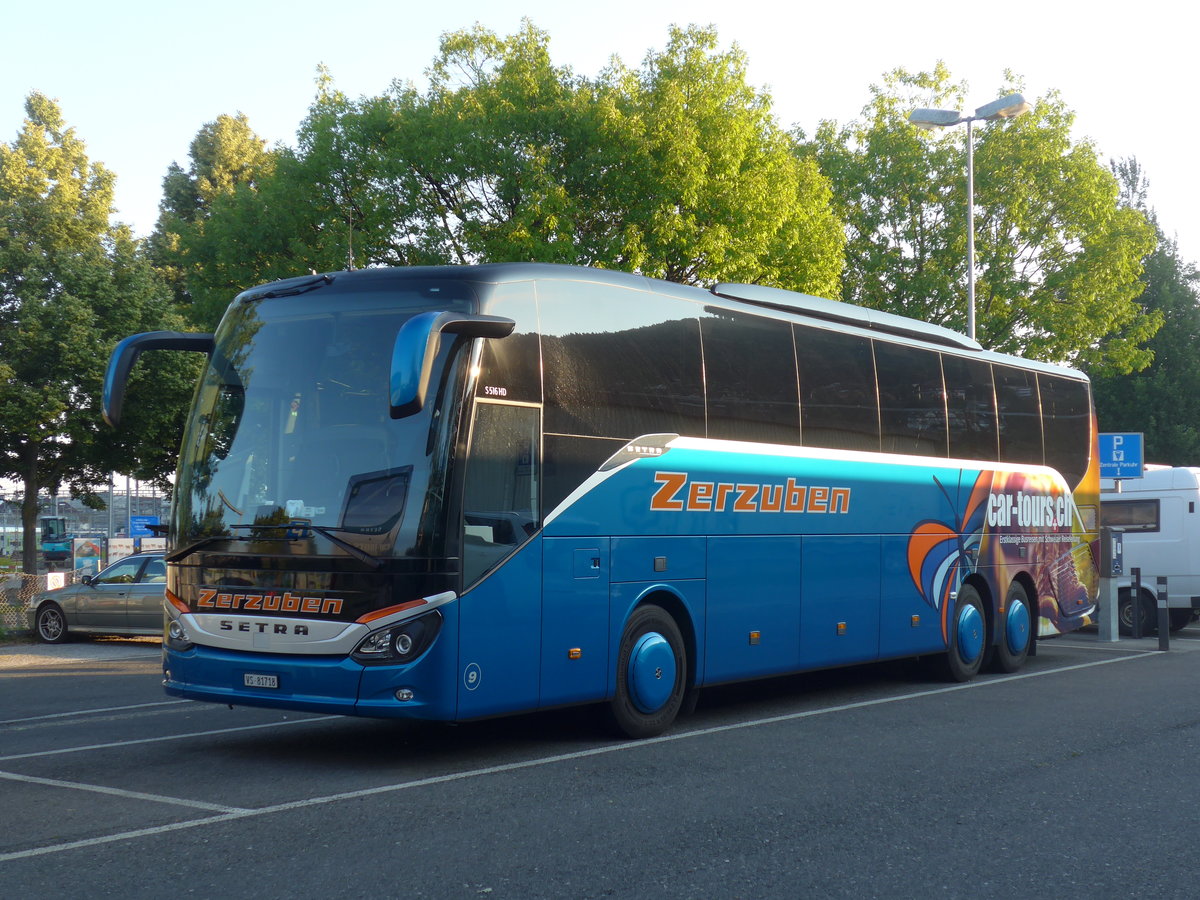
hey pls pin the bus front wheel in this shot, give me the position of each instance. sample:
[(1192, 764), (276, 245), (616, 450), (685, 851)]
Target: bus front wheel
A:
[(651, 674)]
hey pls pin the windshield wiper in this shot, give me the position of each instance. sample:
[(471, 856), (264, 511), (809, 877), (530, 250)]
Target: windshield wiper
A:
[(203, 542), (296, 531), (358, 553), (292, 531), (287, 288)]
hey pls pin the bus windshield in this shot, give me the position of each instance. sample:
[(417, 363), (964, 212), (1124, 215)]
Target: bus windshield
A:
[(291, 425)]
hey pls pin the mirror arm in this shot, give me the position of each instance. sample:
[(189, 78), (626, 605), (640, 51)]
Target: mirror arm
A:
[(125, 354)]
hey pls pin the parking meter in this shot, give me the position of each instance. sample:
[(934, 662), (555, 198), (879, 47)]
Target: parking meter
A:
[(1112, 566), (1112, 551)]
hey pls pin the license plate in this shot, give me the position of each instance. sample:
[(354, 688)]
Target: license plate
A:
[(263, 681)]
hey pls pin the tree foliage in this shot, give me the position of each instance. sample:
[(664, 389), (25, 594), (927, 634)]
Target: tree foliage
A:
[(1162, 400), (1058, 258), (675, 169), (226, 156), (71, 286)]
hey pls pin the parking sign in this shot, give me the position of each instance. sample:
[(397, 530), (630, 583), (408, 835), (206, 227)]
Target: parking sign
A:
[(1121, 455)]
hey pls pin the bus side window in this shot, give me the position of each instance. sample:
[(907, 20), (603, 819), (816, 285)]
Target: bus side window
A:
[(501, 502), (511, 368), (971, 408), (1019, 412), (839, 406), (619, 363), (750, 379), (1066, 422), (912, 400)]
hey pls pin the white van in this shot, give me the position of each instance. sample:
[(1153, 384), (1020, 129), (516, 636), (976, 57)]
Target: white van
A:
[(1160, 514)]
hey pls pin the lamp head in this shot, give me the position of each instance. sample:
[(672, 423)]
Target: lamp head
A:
[(1005, 108), (934, 118)]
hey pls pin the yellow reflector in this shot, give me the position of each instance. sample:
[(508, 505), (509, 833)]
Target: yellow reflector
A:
[(916, 620), (841, 627), (755, 636), (575, 653)]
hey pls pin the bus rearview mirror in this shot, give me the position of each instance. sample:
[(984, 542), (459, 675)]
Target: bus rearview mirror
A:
[(416, 348), (125, 354)]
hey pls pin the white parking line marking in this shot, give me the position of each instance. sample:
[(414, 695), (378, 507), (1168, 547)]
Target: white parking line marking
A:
[(1140, 651), (118, 792), (90, 712), (531, 763), (157, 740)]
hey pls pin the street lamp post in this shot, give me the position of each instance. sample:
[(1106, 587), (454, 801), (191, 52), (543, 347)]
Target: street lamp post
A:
[(1005, 108)]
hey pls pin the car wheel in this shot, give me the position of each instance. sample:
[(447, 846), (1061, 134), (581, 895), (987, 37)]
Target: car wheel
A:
[(1146, 611), (51, 624)]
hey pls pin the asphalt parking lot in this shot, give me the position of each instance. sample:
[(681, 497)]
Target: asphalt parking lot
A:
[(24, 653), (1072, 778)]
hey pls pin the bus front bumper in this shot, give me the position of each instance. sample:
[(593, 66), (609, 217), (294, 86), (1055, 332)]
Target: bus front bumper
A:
[(334, 685)]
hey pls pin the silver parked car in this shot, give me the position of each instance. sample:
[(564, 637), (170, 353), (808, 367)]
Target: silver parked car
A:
[(126, 598)]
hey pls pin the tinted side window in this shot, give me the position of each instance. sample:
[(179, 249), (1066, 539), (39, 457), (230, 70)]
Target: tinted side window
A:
[(912, 400), (511, 367), (619, 363), (750, 379), (569, 462), (1132, 515), (970, 408), (1067, 425), (1019, 415), (838, 404), (501, 507)]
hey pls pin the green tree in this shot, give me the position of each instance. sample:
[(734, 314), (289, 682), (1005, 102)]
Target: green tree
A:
[(1162, 400), (1058, 258), (676, 169), (706, 184), (71, 285), (226, 157)]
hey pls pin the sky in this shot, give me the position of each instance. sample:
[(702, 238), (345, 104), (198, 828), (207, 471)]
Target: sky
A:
[(138, 79)]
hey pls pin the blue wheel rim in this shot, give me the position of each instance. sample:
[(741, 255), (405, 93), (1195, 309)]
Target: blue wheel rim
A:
[(969, 634), (651, 673), (1017, 627)]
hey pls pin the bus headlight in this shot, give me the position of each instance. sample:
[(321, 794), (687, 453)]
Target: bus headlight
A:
[(401, 643), (177, 636)]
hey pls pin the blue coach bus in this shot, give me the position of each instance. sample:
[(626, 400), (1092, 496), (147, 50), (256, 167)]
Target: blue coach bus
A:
[(456, 492)]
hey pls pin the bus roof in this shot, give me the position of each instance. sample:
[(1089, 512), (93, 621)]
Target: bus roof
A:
[(752, 298)]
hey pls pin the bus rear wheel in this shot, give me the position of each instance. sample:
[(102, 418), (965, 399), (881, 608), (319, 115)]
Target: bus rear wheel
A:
[(651, 674), (1015, 630), (966, 635)]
